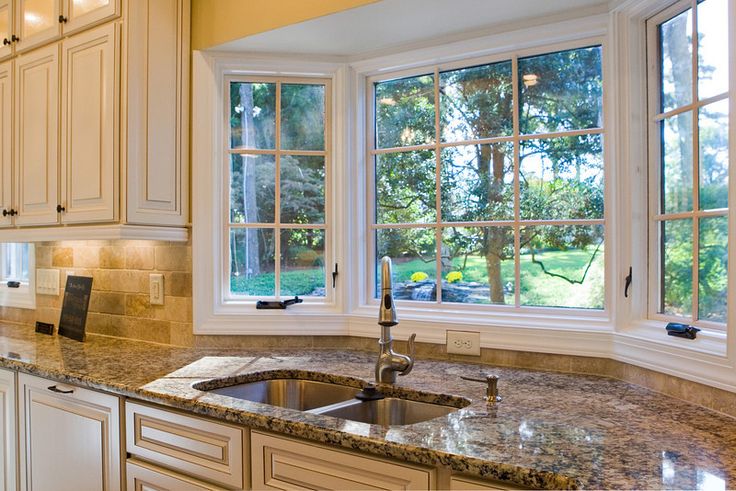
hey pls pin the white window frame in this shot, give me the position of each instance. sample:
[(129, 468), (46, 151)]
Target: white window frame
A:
[(23, 297)]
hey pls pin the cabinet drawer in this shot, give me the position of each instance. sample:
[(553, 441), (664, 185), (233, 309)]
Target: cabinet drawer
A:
[(465, 483), (195, 446), (284, 463), (143, 477)]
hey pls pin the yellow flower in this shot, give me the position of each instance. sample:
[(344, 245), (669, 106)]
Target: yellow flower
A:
[(454, 276), (419, 276)]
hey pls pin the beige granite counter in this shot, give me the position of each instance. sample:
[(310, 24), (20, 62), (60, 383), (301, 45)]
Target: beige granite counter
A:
[(551, 430)]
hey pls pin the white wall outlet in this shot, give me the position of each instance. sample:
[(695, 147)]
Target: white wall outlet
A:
[(156, 288), (47, 281), (463, 343)]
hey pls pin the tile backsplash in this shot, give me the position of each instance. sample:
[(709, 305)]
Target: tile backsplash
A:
[(119, 305)]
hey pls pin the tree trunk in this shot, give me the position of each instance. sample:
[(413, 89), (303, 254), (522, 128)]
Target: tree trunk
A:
[(251, 259), (493, 237)]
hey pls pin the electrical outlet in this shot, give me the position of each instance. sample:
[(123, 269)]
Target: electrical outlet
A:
[(463, 343), (156, 288)]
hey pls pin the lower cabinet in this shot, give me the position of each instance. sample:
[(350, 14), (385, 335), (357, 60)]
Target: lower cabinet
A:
[(284, 463), (141, 476), (69, 437), (8, 431)]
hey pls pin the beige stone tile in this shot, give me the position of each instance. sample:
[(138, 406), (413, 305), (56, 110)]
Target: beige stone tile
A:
[(86, 257), (139, 257), (147, 329), (43, 256), (128, 281), (62, 257), (48, 314), (177, 309), (723, 401), (112, 257), (137, 305), (174, 258), (107, 302), (181, 334), (53, 301), (591, 365), (178, 284)]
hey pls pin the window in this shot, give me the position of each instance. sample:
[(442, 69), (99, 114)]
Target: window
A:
[(488, 182), (17, 265), (689, 154), (278, 154)]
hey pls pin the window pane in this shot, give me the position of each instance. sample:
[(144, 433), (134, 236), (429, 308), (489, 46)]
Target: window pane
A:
[(677, 267), (675, 38), (562, 266), (405, 187), (561, 91), (677, 163), (478, 265), (562, 178), (302, 189), (476, 102), (303, 262), (713, 48), (413, 253), (38, 15), (252, 115), (252, 182), (478, 183), (405, 112), (713, 135), (713, 269), (252, 262), (302, 117)]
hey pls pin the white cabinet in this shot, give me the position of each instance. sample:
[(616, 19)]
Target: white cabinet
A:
[(89, 159), (36, 23), (284, 463), (6, 28), (141, 476), (81, 14), (69, 437), (8, 431), (6, 142), (37, 136)]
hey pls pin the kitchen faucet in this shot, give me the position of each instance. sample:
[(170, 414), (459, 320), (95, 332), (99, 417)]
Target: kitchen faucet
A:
[(389, 362)]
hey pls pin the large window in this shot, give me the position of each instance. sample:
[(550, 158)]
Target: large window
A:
[(488, 182), (278, 154), (688, 51)]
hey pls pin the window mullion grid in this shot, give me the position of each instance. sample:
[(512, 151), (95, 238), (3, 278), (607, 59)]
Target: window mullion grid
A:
[(696, 166), (277, 197), (517, 186), (438, 185)]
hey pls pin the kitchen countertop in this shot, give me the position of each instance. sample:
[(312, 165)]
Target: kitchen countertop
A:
[(551, 430)]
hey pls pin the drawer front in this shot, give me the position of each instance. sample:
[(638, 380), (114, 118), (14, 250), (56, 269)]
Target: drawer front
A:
[(284, 463), (146, 477), (195, 446)]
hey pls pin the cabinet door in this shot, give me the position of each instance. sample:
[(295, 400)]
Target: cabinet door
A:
[(36, 22), (140, 476), (70, 437), (8, 431), (89, 162), (157, 81), (6, 28), (6, 138), (81, 14), (37, 136)]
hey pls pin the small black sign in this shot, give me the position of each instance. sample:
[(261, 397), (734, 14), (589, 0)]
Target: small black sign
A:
[(74, 309), (44, 328)]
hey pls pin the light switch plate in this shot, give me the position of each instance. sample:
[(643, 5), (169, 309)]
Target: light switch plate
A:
[(47, 281), (463, 343), (156, 288)]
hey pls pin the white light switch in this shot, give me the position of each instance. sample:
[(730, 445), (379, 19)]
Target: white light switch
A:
[(47, 281), (156, 288)]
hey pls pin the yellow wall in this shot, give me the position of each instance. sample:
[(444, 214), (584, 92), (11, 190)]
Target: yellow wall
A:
[(219, 21)]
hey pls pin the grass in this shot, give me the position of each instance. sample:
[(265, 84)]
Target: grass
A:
[(536, 287)]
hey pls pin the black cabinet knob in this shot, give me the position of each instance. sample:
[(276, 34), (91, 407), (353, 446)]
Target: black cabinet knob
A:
[(6, 213), (14, 38), (62, 19), (60, 209), (6, 41)]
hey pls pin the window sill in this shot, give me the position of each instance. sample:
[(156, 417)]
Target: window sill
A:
[(21, 298)]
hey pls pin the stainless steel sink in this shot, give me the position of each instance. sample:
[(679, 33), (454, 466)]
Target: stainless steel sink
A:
[(290, 393), (387, 412)]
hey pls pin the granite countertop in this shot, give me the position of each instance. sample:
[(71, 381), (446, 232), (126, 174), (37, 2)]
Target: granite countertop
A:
[(551, 430)]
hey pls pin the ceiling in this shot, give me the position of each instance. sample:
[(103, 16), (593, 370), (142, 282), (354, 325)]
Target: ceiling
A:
[(392, 23)]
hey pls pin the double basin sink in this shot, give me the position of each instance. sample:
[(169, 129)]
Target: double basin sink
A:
[(334, 399)]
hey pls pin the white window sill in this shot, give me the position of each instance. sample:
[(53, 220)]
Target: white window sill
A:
[(22, 297)]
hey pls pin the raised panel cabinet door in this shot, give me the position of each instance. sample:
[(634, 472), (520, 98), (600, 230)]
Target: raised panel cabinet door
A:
[(6, 139), (89, 159), (8, 431), (37, 136), (36, 23), (6, 28), (157, 105), (69, 437), (81, 14), (140, 476)]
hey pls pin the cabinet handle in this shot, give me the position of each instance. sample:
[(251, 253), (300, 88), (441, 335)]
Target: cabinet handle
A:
[(62, 19), (60, 209), (6, 213), (10, 212), (54, 388), (13, 213), (14, 38), (6, 41)]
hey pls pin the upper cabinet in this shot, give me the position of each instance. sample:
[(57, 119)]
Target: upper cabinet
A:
[(6, 28), (94, 125)]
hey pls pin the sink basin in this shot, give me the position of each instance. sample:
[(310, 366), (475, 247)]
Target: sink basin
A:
[(299, 394), (388, 411)]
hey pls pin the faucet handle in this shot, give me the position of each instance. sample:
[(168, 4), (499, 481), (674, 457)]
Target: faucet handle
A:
[(412, 349)]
